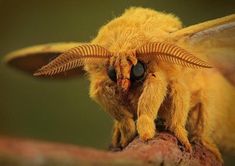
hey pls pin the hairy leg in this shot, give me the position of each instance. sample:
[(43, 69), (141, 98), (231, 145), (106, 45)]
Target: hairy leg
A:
[(203, 129), (128, 131), (124, 127), (178, 112), (124, 132), (116, 137), (149, 103)]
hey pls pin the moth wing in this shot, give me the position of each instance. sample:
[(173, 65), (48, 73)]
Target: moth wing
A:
[(215, 40), (32, 58)]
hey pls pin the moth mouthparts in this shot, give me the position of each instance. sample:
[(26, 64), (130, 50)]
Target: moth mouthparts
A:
[(124, 84)]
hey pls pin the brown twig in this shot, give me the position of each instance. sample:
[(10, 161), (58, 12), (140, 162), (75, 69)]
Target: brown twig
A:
[(164, 149)]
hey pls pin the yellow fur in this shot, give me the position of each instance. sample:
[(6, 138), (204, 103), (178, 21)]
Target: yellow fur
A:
[(149, 104)]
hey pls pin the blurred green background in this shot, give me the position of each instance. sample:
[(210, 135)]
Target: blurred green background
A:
[(61, 110)]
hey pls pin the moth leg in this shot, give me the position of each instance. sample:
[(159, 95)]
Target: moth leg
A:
[(116, 135), (210, 145), (178, 112), (124, 127), (202, 131), (148, 105), (124, 132), (128, 131)]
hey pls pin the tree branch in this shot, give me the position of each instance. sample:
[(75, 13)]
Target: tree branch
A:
[(164, 149)]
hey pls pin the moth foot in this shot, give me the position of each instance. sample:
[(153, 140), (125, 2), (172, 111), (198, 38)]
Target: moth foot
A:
[(126, 140), (128, 132), (181, 135), (213, 148), (145, 127), (114, 148)]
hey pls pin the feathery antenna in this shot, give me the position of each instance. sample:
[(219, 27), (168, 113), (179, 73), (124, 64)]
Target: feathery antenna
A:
[(75, 57), (171, 53)]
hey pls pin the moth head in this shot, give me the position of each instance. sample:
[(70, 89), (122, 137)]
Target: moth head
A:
[(127, 68), (124, 68)]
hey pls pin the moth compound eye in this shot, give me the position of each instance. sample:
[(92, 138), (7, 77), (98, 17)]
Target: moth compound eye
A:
[(138, 71), (112, 74)]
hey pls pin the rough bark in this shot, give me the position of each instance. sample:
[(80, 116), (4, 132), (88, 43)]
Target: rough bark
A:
[(163, 150)]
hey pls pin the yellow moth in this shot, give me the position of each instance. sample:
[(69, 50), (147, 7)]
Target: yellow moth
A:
[(143, 65)]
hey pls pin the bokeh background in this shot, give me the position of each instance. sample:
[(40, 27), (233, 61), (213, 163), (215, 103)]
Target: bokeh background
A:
[(60, 110)]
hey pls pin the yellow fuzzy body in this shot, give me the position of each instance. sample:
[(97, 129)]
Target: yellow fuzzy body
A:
[(196, 104)]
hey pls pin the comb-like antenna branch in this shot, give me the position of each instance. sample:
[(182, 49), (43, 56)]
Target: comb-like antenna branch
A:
[(171, 53), (75, 57)]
